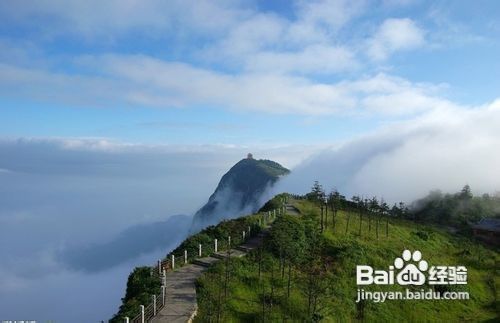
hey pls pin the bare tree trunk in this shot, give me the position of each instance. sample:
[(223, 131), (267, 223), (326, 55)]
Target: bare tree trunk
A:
[(260, 262), (263, 303), (226, 280), (289, 279), (334, 213), (280, 264), (272, 287), (321, 218), (309, 295), (326, 216), (283, 270), (347, 225), (315, 303), (360, 222), (219, 301)]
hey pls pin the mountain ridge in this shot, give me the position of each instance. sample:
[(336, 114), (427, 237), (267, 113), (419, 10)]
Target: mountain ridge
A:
[(239, 191)]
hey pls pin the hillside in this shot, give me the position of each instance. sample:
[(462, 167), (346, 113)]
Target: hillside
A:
[(144, 282), (303, 274), (240, 191)]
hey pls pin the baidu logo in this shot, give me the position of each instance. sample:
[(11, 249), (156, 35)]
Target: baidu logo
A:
[(410, 273), (411, 269)]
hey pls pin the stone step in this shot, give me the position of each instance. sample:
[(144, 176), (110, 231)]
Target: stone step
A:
[(243, 248), (205, 262), (220, 255)]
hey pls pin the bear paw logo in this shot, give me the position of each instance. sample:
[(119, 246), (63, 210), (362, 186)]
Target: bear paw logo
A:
[(411, 274)]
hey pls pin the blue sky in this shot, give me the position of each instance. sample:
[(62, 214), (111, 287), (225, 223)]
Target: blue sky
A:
[(121, 113), (239, 72)]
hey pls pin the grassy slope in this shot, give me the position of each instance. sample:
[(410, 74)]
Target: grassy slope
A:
[(343, 252), (141, 285)]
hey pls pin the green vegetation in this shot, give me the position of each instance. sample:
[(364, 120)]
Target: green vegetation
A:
[(141, 285), (457, 209), (272, 168), (251, 175), (241, 188), (307, 272), (144, 282)]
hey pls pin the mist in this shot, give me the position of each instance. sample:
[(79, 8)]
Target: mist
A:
[(229, 204), (403, 161), (76, 216)]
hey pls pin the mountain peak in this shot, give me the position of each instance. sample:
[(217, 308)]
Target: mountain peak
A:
[(240, 191)]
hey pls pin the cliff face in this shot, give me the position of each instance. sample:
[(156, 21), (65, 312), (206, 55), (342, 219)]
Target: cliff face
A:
[(240, 191)]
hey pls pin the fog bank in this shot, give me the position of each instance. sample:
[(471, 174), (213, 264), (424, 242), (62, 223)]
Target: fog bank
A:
[(76, 215), (444, 149)]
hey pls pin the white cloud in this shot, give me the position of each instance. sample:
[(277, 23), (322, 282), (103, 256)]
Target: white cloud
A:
[(249, 36), (145, 81), (399, 3), (395, 35), (96, 19), (262, 62), (317, 59), (331, 13), (305, 44), (443, 149)]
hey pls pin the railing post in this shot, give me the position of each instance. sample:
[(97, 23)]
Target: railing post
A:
[(142, 313), (173, 262), (185, 256), (243, 234), (199, 250), (154, 305), (164, 278), (229, 241), (248, 230), (127, 320), (159, 267), (215, 245), (163, 288)]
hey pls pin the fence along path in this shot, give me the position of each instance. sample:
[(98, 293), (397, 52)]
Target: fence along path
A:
[(180, 296), (177, 303)]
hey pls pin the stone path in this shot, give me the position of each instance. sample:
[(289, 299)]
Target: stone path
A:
[(292, 210), (180, 301)]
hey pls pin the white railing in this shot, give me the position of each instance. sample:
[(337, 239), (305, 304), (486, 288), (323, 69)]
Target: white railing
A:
[(146, 313)]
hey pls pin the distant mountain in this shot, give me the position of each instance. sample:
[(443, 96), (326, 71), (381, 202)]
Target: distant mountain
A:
[(240, 191), (127, 245)]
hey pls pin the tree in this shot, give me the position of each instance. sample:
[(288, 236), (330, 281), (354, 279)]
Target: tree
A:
[(334, 201), (315, 269), (368, 214), (465, 193), (287, 240), (360, 206), (317, 193), (373, 205), (384, 210)]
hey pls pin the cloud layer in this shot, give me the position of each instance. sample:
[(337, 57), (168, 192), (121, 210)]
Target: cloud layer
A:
[(79, 213), (444, 149), (224, 54)]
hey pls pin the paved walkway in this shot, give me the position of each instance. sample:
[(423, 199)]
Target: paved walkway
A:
[(180, 303), (292, 210)]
